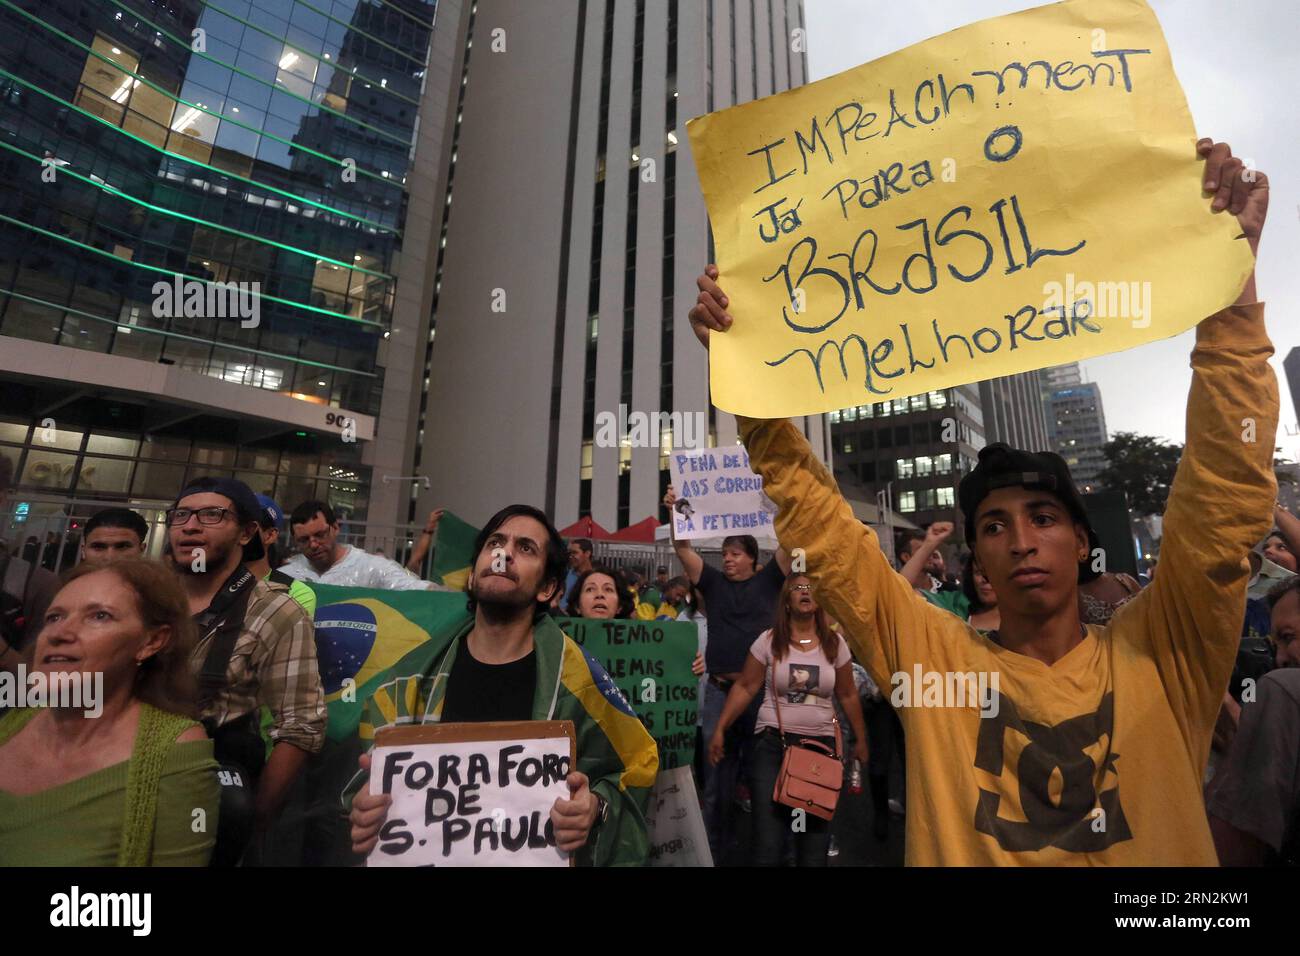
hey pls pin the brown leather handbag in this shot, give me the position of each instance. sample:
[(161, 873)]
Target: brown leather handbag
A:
[(811, 774)]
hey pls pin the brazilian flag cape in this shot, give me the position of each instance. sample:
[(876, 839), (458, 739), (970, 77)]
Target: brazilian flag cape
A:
[(613, 749)]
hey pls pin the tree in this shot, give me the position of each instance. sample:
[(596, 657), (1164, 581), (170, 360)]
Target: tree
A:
[(1143, 468)]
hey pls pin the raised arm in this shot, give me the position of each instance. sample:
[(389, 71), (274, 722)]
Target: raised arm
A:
[(1222, 498), (692, 563), (913, 570), (884, 620), (1289, 527), (422, 546)]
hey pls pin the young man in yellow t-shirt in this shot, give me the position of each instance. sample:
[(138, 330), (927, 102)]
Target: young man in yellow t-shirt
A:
[(1082, 745)]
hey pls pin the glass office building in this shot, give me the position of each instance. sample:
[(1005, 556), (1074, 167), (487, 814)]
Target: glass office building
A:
[(147, 147)]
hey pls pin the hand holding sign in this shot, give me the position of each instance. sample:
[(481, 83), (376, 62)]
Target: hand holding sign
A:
[(473, 794), (574, 818), (368, 814), (1242, 191)]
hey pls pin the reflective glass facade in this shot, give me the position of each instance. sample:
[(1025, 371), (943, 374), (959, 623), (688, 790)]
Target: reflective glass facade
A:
[(252, 142)]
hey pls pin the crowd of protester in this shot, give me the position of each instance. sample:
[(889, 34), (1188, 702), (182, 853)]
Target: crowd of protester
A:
[(213, 703)]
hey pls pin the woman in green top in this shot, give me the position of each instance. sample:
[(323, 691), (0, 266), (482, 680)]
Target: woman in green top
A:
[(125, 777)]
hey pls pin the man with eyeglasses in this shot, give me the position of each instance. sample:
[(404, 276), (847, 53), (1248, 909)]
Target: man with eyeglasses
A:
[(256, 649), (324, 560)]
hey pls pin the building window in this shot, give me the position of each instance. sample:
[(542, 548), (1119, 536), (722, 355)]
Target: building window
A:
[(864, 411), (938, 399), (905, 468), (848, 446), (943, 464), (907, 501), (849, 415), (835, 418), (900, 406), (585, 473), (917, 403), (924, 466), (944, 497)]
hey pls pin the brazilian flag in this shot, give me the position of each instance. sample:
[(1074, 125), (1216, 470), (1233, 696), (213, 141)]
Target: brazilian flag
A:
[(453, 552), (362, 632)]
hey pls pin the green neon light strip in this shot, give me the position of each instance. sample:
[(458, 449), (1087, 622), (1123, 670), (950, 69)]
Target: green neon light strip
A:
[(355, 74), (182, 335), (114, 191), (171, 274), (176, 99), (195, 162), (257, 79)]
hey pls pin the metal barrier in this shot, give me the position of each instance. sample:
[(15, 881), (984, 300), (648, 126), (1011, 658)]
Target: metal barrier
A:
[(47, 531)]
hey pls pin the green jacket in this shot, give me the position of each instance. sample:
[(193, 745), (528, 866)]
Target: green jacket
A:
[(613, 748)]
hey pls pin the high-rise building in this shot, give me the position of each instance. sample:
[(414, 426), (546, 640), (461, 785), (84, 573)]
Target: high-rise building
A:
[(1291, 365), (200, 236), (570, 230), (1013, 411), (916, 448), (919, 448), (1079, 432)]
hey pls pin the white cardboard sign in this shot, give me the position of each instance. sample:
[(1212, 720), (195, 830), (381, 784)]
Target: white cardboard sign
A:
[(471, 794), (718, 495)]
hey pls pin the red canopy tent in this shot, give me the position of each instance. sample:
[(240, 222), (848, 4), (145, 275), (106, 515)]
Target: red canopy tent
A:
[(643, 530), (585, 527)]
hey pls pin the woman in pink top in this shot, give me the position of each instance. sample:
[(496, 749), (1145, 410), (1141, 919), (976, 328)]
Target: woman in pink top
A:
[(812, 668)]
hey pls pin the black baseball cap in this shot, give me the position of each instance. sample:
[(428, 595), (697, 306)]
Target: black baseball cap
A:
[(1001, 466), (242, 497)]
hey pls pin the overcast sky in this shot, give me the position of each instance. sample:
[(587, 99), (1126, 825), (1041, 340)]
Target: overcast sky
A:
[(1237, 66)]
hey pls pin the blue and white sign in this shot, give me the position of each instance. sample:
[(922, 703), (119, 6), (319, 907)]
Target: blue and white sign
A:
[(718, 495)]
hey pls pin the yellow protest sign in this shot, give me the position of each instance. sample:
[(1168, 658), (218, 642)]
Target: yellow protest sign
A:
[(1019, 193)]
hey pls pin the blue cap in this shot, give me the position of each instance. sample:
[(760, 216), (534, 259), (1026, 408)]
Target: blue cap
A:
[(271, 510)]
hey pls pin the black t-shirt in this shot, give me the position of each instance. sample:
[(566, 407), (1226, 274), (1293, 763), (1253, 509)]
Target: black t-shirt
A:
[(479, 692), (738, 611)]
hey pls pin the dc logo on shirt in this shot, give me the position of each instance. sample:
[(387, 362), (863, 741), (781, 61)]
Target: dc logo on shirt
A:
[(605, 684), (1069, 822)]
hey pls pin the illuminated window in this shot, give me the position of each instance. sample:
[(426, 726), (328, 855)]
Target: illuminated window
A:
[(945, 497), (907, 501), (906, 469)]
